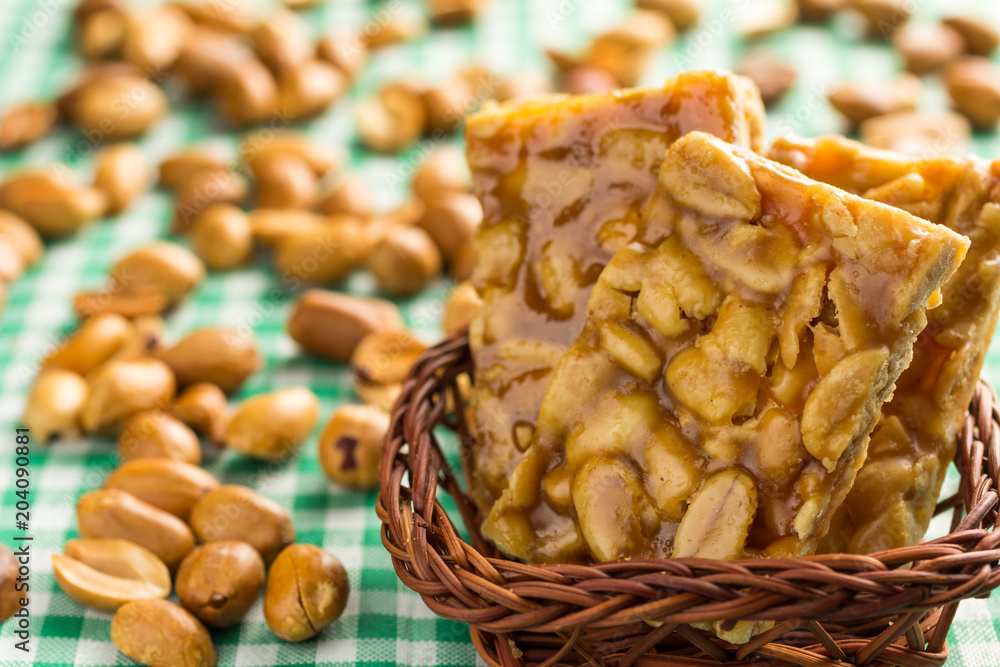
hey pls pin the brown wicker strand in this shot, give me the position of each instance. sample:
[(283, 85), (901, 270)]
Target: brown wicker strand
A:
[(831, 610)]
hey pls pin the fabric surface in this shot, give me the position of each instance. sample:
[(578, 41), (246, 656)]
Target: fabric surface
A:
[(384, 623)]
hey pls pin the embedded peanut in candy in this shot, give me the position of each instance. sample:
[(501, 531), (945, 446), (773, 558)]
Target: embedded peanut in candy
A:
[(221, 237), (120, 389), (272, 426), (307, 590), (224, 357), (463, 305), (331, 325), (203, 407), (168, 267), (233, 512), (169, 485), (49, 199), (218, 582), (153, 435), (350, 446), (54, 405), (113, 513), (106, 573), (161, 634), (405, 262)]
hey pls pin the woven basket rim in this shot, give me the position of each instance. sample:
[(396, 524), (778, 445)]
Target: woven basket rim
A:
[(892, 607)]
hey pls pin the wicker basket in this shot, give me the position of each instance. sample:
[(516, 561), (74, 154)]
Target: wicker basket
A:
[(890, 608)]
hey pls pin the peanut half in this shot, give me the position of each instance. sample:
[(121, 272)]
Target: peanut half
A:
[(106, 573), (55, 404), (272, 426), (153, 435), (170, 268), (204, 408), (120, 389), (225, 357)]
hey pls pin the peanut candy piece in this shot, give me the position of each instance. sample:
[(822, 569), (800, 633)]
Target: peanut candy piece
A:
[(703, 426), (893, 498), (563, 181)]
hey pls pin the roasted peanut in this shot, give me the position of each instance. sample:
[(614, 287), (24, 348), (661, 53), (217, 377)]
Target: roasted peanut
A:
[(392, 120), (818, 11), (155, 434), (221, 237), (310, 89), (161, 265), (974, 87), (106, 573), (101, 34), (21, 238), (448, 103), (224, 357), (116, 106), (234, 512), (454, 12), (980, 37), (349, 197), (122, 174), (331, 325), (884, 17), (773, 76), (347, 53), (392, 28), (928, 46), (51, 202), (405, 262), (208, 56), (451, 220), (10, 598), (154, 37), (247, 94), (272, 426), (523, 84), (766, 19), (683, 14), (307, 590), (265, 145), (139, 302), (170, 485), (463, 305), (271, 226), (96, 341), (326, 254), (161, 634), (219, 582), (350, 446), (111, 513), (385, 357), (25, 124), (225, 17), (204, 188), (54, 405), (119, 389), (285, 181), (203, 407), (282, 41), (859, 102), (443, 170), (178, 167), (921, 134), (145, 340)]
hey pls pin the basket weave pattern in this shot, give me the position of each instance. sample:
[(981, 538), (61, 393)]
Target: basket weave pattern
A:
[(890, 608)]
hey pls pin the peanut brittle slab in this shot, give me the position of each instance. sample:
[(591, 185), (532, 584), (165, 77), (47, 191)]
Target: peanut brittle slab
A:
[(733, 363), (563, 181), (893, 498)]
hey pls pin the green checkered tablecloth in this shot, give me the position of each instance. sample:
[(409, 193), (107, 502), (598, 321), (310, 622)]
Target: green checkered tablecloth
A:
[(385, 623)]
